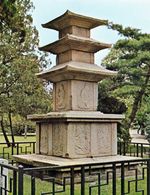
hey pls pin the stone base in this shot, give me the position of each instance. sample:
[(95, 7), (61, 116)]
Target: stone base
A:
[(43, 160), (76, 134), (62, 170)]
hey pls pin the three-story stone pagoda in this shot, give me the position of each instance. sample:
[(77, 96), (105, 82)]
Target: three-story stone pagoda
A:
[(74, 132)]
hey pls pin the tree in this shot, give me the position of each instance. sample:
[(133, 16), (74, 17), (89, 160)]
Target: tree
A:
[(143, 117), (130, 56), (107, 103), (20, 90)]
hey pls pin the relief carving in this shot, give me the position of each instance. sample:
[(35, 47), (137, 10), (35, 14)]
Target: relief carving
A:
[(82, 139), (60, 96), (43, 141), (104, 139), (85, 96), (57, 146)]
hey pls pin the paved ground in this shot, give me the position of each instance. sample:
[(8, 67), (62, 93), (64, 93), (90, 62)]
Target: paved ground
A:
[(137, 137)]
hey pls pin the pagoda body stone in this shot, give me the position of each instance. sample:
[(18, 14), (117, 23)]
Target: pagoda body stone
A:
[(75, 129)]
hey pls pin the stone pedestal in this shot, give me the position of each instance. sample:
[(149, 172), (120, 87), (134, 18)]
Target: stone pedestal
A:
[(76, 134)]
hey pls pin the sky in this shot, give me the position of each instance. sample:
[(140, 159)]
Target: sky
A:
[(133, 13)]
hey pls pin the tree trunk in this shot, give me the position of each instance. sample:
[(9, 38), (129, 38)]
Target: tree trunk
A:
[(11, 128), (4, 132), (137, 101)]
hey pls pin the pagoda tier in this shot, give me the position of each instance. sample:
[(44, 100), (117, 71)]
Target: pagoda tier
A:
[(74, 48), (72, 42), (72, 23), (76, 71)]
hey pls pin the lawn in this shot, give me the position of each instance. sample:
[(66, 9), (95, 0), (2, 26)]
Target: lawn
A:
[(46, 187), (18, 138), (21, 148)]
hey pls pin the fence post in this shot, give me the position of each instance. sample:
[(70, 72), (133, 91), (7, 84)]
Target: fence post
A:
[(72, 181), (32, 185), (114, 179), (14, 182), (122, 178), (33, 147), (82, 180), (148, 177), (20, 180), (137, 151), (142, 150)]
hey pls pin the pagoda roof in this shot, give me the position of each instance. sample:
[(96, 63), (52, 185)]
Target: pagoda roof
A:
[(72, 19), (72, 42), (76, 71)]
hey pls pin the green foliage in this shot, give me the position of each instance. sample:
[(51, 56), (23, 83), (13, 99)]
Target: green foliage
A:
[(143, 118), (130, 56), (107, 103), (20, 125), (21, 93)]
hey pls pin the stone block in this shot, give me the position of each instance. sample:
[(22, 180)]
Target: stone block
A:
[(75, 55), (78, 139), (59, 138), (75, 30), (84, 95), (103, 139), (44, 138), (75, 95)]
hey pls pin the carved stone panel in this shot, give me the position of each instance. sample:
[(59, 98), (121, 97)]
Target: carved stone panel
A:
[(84, 95), (75, 95), (50, 139), (37, 139), (62, 96), (103, 139), (43, 139), (78, 140), (114, 138), (59, 139)]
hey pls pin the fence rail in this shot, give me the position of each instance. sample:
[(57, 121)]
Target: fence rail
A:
[(19, 148), (134, 149), (125, 149), (112, 178)]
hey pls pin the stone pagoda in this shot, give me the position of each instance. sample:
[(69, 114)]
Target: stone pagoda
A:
[(74, 132)]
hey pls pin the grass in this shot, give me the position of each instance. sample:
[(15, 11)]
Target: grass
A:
[(43, 186), (24, 148), (18, 138)]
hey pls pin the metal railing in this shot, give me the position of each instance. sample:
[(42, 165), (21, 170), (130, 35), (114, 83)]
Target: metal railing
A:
[(19, 148), (112, 178), (134, 149), (125, 149)]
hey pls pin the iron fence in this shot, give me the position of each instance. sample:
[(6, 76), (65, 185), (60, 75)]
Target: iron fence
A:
[(19, 148), (125, 149), (134, 149), (112, 178)]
